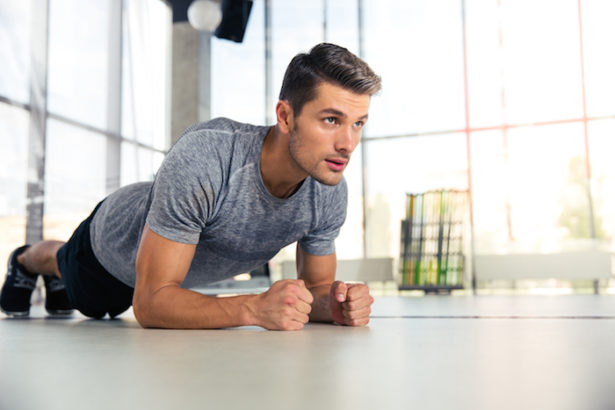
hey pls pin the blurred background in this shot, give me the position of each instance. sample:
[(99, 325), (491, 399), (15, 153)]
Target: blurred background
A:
[(511, 101)]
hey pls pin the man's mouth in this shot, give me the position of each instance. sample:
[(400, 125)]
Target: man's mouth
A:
[(336, 164)]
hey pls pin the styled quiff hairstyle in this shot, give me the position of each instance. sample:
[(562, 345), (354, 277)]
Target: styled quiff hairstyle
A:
[(326, 63)]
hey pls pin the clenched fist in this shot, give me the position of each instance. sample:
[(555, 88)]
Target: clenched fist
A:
[(350, 303), (285, 306)]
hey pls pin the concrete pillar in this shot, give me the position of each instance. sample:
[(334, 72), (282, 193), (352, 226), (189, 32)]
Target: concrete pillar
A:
[(191, 78)]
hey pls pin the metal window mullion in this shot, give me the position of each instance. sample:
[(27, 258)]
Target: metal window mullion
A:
[(39, 45), (204, 76), (325, 6), (592, 226), (466, 89), (590, 200), (268, 65), (114, 96), (363, 138)]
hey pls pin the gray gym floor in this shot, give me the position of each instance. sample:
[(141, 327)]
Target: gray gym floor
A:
[(435, 352)]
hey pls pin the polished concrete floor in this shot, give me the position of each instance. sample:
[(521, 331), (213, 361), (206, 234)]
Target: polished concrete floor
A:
[(437, 352)]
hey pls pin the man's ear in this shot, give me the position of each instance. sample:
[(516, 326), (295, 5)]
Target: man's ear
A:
[(284, 116)]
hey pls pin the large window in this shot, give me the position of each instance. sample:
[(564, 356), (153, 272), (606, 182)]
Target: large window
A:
[(238, 73), (79, 60), (106, 121), (13, 173), (537, 117), (537, 87), (15, 50), (510, 99)]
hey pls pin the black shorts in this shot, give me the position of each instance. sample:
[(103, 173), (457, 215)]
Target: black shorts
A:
[(90, 288)]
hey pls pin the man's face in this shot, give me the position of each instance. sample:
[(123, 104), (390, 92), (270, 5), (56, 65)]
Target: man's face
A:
[(327, 131)]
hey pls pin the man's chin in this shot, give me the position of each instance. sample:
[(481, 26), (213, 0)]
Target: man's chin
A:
[(328, 180)]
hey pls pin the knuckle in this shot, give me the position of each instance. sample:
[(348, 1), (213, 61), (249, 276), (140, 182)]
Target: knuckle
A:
[(292, 325)]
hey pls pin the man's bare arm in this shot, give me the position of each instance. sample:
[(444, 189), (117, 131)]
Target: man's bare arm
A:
[(318, 273), (159, 301)]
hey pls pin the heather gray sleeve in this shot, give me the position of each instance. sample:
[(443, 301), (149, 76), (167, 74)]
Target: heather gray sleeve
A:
[(185, 188), (321, 239)]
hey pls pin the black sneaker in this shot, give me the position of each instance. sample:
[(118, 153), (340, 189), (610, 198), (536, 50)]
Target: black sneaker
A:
[(17, 288), (56, 300)]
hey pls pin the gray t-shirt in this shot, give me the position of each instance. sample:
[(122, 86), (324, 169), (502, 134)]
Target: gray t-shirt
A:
[(209, 191)]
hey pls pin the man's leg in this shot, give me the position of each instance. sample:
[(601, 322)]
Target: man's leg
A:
[(41, 258)]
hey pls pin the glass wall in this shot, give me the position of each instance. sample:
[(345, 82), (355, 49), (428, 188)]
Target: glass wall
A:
[(79, 60), (146, 36), (416, 47), (505, 98), (238, 73), (538, 88), (15, 50), (79, 121), (13, 173)]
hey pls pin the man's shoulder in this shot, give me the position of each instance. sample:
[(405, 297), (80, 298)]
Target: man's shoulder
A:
[(224, 127), (217, 138)]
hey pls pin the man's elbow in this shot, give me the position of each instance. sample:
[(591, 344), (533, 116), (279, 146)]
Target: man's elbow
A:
[(142, 311)]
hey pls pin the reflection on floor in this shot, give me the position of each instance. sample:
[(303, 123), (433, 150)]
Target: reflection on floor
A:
[(456, 352)]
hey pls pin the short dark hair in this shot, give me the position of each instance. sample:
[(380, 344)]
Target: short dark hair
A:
[(326, 62)]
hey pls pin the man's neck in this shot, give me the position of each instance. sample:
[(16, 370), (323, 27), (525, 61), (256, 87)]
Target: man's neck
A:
[(281, 176)]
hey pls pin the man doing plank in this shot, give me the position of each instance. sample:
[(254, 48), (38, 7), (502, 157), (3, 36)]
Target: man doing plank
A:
[(227, 197)]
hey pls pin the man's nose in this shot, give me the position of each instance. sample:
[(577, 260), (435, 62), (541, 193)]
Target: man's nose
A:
[(347, 140)]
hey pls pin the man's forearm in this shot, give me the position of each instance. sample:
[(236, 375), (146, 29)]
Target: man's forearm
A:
[(321, 312), (176, 308)]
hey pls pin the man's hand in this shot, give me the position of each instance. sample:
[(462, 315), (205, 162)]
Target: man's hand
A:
[(285, 306), (350, 303)]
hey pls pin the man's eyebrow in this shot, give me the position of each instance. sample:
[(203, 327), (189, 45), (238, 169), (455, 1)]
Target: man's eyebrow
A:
[(333, 111)]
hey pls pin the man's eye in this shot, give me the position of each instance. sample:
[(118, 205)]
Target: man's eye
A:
[(330, 120), (359, 124)]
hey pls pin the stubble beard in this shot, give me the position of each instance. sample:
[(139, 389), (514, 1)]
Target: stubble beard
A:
[(294, 149)]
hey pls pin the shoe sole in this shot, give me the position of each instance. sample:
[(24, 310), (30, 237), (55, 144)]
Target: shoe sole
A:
[(16, 314), (60, 312)]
